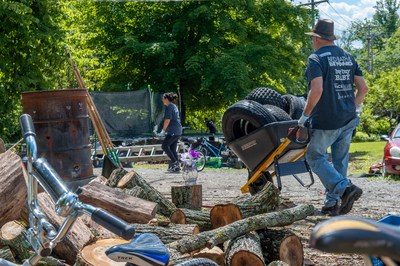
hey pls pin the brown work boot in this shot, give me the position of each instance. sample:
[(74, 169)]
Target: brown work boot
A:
[(350, 195), (331, 211)]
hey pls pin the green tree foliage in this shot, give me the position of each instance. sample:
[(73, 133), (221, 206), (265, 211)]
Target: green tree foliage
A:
[(29, 57), (213, 52), (386, 16)]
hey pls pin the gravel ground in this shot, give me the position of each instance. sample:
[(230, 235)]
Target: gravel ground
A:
[(380, 197)]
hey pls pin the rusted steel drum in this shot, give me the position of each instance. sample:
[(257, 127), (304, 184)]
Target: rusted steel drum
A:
[(61, 122)]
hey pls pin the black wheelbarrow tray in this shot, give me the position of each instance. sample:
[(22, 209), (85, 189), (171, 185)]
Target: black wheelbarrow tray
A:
[(275, 149)]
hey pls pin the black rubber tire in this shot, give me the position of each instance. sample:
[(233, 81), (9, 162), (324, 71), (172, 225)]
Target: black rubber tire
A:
[(243, 117), (198, 262), (278, 113), (294, 105), (264, 95)]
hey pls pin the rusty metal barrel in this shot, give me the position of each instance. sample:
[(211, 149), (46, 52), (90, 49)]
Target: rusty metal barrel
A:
[(61, 122)]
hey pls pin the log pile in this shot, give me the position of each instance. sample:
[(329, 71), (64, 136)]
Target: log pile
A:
[(245, 231)]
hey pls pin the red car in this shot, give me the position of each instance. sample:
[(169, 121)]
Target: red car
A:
[(391, 153)]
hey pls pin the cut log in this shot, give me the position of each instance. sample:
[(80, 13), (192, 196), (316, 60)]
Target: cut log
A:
[(244, 250), (78, 237), (136, 191), (5, 253), (217, 236), (165, 206), (216, 254), (14, 235), (115, 176), (2, 146), (128, 208), (188, 216), (278, 263), (282, 245), (127, 181), (167, 234), (223, 214), (266, 200), (94, 254), (244, 206), (190, 197), (13, 187)]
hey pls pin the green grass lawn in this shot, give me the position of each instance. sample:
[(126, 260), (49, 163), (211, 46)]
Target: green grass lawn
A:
[(363, 155)]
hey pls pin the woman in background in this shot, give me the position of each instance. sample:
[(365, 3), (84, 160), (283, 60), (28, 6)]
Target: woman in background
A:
[(172, 129)]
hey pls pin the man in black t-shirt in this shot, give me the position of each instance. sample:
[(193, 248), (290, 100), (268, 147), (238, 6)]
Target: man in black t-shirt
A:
[(211, 128), (330, 113)]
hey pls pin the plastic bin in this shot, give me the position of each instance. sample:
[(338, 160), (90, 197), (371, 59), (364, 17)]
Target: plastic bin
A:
[(392, 220)]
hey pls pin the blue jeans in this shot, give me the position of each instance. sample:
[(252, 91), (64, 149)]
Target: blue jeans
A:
[(332, 175)]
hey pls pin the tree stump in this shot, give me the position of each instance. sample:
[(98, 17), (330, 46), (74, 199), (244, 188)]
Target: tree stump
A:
[(190, 197), (128, 208), (15, 235), (188, 216), (244, 251), (94, 254), (281, 245), (13, 187)]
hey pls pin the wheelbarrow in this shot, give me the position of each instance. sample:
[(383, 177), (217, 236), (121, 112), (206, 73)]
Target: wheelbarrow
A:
[(276, 149)]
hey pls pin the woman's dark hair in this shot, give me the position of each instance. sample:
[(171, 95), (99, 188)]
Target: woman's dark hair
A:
[(171, 96)]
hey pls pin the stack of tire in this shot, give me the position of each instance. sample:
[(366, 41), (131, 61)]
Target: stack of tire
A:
[(260, 107)]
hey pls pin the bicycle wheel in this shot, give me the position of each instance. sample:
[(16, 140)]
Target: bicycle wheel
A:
[(201, 161), (197, 262)]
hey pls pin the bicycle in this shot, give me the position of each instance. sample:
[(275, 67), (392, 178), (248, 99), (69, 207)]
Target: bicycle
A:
[(219, 150), (43, 236), (379, 242)]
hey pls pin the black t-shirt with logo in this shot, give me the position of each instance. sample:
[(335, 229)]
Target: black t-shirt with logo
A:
[(337, 68)]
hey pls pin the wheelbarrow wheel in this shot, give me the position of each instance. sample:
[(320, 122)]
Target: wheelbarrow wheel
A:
[(260, 182), (243, 117)]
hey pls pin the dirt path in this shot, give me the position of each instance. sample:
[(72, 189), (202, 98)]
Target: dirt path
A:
[(380, 197)]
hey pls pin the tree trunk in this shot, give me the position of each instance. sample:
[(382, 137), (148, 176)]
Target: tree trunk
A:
[(244, 250), (15, 235), (135, 191), (94, 254), (165, 206), (282, 245), (188, 216), (75, 240), (241, 227), (13, 187), (189, 197), (128, 208)]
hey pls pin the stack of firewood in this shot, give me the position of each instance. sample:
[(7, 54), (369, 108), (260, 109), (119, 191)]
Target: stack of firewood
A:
[(246, 231)]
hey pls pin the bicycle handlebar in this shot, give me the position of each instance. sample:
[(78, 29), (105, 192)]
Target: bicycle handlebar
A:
[(67, 203), (357, 235)]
